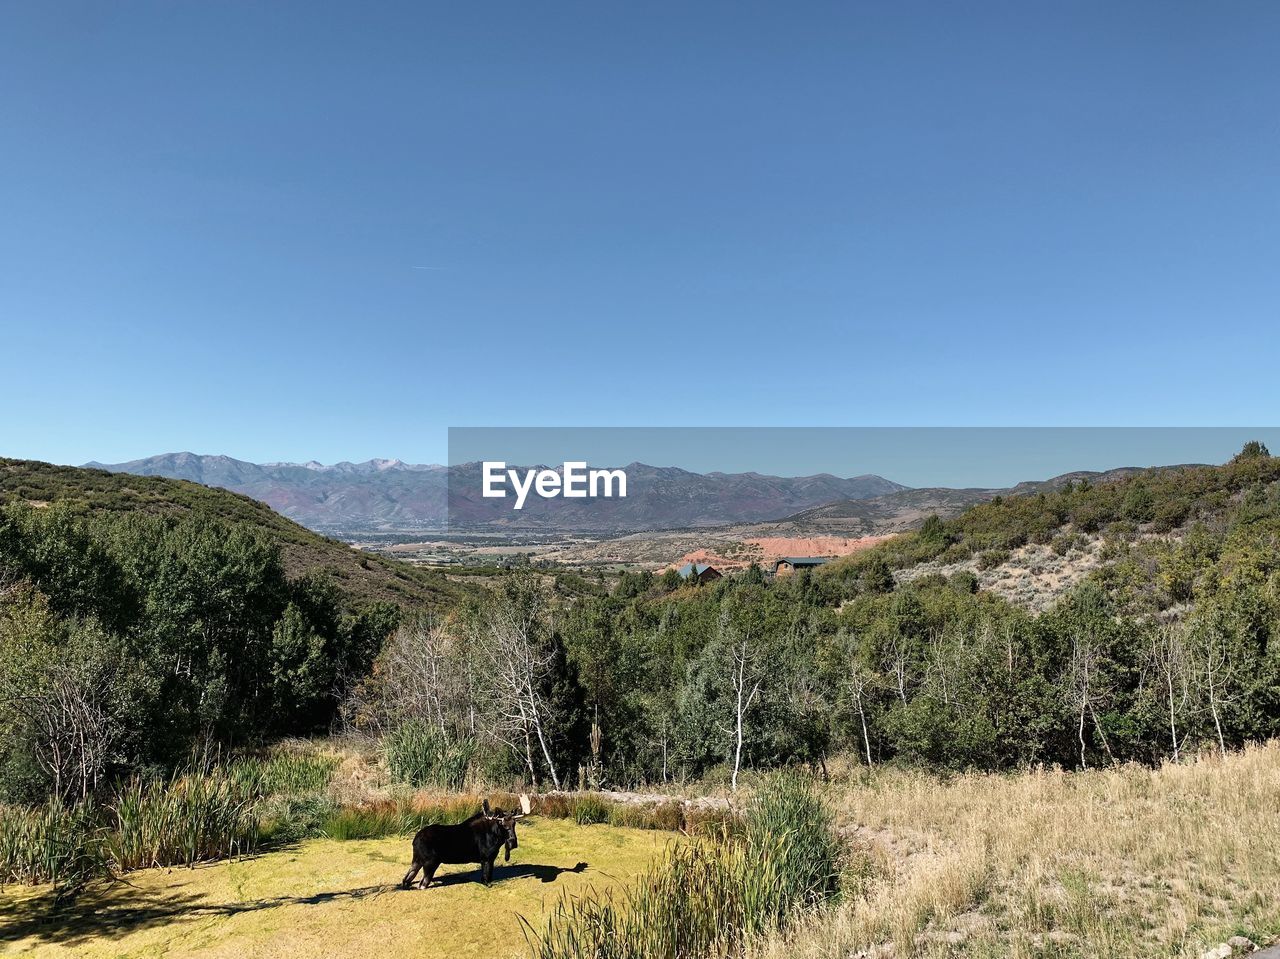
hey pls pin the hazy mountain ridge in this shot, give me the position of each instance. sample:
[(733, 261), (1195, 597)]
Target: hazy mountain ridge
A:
[(388, 495)]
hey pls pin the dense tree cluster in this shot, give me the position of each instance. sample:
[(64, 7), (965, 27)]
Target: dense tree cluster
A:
[(1167, 648), (127, 640)]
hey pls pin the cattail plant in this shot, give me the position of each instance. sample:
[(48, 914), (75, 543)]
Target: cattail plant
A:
[(712, 896), (180, 821), (54, 843)]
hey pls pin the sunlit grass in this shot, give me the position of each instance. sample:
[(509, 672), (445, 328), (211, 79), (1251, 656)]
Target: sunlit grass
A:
[(336, 900)]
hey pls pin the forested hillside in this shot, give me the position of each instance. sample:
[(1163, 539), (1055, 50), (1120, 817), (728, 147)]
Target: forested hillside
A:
[(84, 492), (143, 618), (140, 620), (1167, 647)]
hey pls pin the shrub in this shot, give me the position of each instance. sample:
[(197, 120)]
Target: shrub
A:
[(1088, 518), (955, 553), (419, 755), (1171, 514), (1066, 542), (991, 558), (1121, 531), (1139, 503)]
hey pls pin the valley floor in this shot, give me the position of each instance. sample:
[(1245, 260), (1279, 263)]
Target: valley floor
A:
[(329, 899)]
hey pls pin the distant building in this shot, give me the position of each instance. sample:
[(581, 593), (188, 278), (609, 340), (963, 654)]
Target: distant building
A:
[(700, 572), (789, 564)]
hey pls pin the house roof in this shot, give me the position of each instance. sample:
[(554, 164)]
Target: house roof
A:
[(802, 560), (689, 569)]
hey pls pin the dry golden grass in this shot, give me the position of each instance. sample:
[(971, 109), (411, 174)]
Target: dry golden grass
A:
[(1124, 862)]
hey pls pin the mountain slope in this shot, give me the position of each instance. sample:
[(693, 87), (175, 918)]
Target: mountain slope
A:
[(390, 496), (1035, 542), (906, 509), (360, 575)]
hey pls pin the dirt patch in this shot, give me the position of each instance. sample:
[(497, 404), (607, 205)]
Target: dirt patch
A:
[(774, 547), (766, 550)]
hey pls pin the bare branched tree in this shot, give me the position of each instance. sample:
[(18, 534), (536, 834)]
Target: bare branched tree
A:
[(513, 664), (1082, 687), (747, 679), (898, 663), (418, 679), (944, 664), (1167, 655), (860, 682), (1215, 670), (746, 673), (76, 729)]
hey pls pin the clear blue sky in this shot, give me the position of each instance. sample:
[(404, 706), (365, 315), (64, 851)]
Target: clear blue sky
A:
[(310, 230)]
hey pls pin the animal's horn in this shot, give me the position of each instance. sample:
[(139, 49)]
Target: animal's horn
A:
[(525, 804), (484, 804)]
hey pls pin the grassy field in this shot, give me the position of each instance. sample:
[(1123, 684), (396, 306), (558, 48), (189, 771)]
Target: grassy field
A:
[(1123, 862), (331, 899), (1126, 862)]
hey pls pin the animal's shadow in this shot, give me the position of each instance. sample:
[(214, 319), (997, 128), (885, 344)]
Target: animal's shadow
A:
[(503, 873), (100, 914)]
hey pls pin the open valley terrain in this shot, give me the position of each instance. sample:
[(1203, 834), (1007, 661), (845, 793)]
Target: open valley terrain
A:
[(1036, 722)]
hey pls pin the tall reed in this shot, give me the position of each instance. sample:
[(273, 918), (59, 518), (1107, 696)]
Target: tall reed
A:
[(396, 817), (169, 822), (790, 823), (710, 897), (53, 843), (181, 821), (419, 755), (283, 773)]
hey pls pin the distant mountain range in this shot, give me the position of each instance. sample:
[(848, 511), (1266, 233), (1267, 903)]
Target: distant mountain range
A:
[(388, 496)]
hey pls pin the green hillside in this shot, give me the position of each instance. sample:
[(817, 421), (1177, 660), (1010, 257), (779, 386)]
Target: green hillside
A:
[(360, 576), (1160, 638), (1155, 517), (146, 621)]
